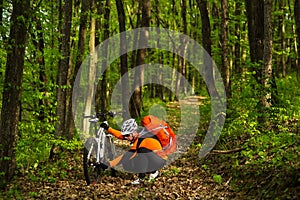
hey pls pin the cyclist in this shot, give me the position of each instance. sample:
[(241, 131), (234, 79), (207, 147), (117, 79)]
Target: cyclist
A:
[(143, 157)]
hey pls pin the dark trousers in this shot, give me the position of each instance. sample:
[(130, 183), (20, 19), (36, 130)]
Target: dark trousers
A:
[(142, 161)]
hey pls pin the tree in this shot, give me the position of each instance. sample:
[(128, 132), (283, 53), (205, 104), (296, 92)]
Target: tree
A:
[(224, 46), (268, 43), (255, 17), (259, 15), (11, 106), (297, 20), (102, 87), (136, 101), (81, 38), (92, 69), (62, 74), (206, 42), (38, 41), (1, 20), (237, 46), (124, 57), (181, 60)]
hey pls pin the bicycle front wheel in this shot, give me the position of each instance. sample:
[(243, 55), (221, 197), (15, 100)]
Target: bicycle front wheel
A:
[(111, 152), (92, 170)]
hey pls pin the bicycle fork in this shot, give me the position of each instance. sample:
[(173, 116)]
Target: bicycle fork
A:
[(101, 145)]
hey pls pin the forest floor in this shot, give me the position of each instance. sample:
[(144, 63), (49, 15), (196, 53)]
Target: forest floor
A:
[(187, 178), (217, 176)]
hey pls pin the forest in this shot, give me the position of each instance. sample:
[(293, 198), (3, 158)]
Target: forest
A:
[(223, 74)]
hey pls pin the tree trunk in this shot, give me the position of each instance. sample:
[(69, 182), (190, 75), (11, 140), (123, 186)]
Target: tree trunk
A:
[(224, 47), (38, 41), (62, 76), (88, 109), (206, 30), (255, 16), (104, 103), (81, 39), (136, 102), (11, 96), (70, 124), (268, 43), (297, 19), (2, 33), (206, 42), (283, 40), (158, 88), (184, 46), (124, 57), (237, 46)]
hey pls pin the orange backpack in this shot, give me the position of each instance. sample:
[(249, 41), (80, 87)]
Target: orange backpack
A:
[(163, 131)]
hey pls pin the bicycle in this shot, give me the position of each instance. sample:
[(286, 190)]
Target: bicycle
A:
[(98, 149)]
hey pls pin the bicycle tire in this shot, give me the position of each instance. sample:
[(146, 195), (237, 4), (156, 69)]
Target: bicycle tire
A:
[(92, 171)]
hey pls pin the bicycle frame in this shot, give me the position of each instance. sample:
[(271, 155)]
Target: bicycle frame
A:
[(99, 148), (100, 137)]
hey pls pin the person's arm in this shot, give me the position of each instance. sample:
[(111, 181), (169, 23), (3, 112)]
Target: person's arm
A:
[(116, 133), (112, 131)]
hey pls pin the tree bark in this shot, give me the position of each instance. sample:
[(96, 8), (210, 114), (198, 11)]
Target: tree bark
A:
[(255, 17), (297, 20), (206, 42), (1, 22), (181, 60), (136, 101), (62, 76), (11, 96), (91, 70), (224, 47), (38, 42), (268, 43), (237, 47), (124, 57), (81, 39), (103, 91)]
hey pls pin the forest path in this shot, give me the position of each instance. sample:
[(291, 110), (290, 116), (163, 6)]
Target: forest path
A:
[(187, 178)]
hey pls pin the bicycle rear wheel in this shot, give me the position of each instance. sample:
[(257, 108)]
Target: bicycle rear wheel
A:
[(92, 170)]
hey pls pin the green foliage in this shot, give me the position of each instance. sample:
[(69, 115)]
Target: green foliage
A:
[(36, 142), (268, 155), (217, 178)]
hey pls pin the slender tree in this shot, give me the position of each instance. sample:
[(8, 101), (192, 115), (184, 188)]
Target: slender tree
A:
[(237, 46), (81, 38), (224, 46), (158, 88), (91, 69), (124, 57), (40, 45), (268, 43), (283, 38), (297, 20), (102, 87), (136, 102), (1, 20), (11, 96), (206, 42), (82, 34), (255, 17), (63, 70)]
